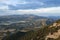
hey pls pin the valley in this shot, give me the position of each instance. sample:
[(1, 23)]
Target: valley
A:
[(27, 25)]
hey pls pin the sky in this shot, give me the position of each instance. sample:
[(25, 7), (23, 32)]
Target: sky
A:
[(38, 7)]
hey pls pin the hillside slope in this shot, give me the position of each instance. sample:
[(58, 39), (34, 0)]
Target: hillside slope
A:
[(50, 32)]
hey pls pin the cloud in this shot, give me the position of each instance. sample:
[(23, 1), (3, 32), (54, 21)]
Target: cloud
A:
[(30, 4), (51, 11), (2, 0), (7, 12), (4, 7), (40, 11), (38, 7), (13, 2), (26, 6), (34, 4)]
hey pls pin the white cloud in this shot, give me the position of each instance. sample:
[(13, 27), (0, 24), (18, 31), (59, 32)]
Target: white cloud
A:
[(13, 2), (4, 7), (41, 11), (2, 0)]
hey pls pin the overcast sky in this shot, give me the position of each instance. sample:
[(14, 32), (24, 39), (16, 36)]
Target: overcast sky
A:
[(38, 7)]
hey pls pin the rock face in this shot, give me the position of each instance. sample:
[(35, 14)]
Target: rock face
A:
[(55, 35), (50, 32)]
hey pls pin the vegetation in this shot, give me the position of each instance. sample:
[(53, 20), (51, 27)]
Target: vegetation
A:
[(34, 35)]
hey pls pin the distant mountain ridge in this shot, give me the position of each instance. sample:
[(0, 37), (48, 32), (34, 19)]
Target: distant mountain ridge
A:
[(19, 17), (24, 21)]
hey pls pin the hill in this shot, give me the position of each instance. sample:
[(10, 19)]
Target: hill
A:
[(50, 32), (23, 21)]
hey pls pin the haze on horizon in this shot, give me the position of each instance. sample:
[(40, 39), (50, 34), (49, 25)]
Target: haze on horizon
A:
[(38, 7)]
